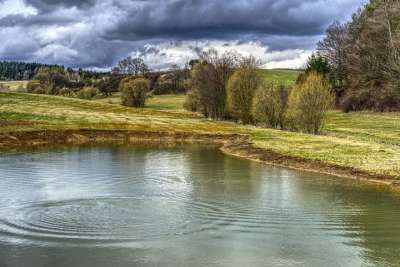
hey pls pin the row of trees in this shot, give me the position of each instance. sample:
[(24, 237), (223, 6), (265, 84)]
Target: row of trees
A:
[(364, 58), (56, 80), (13, 71), (230, 87), (68, 82), (16, 71)]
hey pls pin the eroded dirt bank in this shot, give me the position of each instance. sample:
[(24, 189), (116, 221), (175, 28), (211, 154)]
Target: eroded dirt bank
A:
[(232, 144)]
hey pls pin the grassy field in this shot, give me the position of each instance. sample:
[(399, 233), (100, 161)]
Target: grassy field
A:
[(14, 85), (365, 141), (286, 77), (164, 102)]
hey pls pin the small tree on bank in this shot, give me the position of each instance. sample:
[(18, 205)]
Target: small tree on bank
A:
[(209, 78), (241, 88), (134, 92), (269, 105), (308, 104)]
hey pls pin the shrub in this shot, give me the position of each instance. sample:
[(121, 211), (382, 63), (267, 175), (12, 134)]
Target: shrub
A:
[(87, 93), (192, 101), (209, 78), (34, 85), (241, 88), (40, 91), (308, 103), (269, 105), (66, 92), (134, 91)]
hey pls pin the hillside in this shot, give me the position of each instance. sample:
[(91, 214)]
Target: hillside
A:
[(354, 140), (280, 76)]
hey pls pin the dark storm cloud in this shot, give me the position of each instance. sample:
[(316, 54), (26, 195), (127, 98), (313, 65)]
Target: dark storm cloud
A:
[(38, 20), (48, 5), (224, 18), (97, 33)]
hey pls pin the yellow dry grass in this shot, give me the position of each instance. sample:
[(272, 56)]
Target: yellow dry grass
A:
[(365, 141)]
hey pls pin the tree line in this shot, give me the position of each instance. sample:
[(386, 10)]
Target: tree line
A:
[(230, 87), (15, 71), (58, 80), (363, 58)]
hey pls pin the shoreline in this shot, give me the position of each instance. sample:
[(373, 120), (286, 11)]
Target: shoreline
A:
[(231, 144)]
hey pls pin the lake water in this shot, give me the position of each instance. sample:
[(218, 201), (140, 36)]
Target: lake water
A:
[(185, 206)]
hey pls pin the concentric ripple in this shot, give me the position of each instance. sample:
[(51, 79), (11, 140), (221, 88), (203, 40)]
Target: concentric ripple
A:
[(115, 219), (168, 207), (112, 219)]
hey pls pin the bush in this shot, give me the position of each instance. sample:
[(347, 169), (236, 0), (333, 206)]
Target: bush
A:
[(87, 93), (40, 91), (192, 101), (134, 91), (241, 88), (269, 105), (66, 92), (308, 104), (34, 85), (209, 78)]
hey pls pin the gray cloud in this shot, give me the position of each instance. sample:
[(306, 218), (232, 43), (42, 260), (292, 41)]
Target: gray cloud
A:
[(90, 33), (48, 5)]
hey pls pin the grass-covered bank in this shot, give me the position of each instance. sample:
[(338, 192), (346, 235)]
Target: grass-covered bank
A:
[(365, 144), (281, 76)]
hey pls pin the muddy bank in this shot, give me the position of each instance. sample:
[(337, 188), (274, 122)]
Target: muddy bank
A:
[(247, 151), (232, 144), (80, 137)]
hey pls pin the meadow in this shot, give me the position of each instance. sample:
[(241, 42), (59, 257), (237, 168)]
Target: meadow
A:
[(365, 141), (281, 76), (14, 85)]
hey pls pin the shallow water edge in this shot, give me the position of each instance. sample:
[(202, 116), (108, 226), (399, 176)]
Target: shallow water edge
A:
[(232, 144)]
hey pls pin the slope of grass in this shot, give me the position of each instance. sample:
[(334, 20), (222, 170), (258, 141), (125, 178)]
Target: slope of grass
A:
[(14, 85), (365, 141), (286, 77), (161, 102)]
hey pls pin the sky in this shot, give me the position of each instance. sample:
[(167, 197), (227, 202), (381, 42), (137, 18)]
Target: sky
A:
[(96, 34)]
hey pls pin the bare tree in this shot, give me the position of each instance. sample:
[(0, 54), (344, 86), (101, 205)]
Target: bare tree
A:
[(209, 78), (133, 66), (364, 56), (333, 48), (241, 88), (308, 104)]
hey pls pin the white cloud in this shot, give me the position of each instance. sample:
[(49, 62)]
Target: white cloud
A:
[(163, 55), (16, 7), (296, 59)]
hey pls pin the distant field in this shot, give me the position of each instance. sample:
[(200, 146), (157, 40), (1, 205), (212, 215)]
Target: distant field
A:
[(162, 102), (286, 77), (14, 85)]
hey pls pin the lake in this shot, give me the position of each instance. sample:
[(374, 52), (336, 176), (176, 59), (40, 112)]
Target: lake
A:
[(149, 205)]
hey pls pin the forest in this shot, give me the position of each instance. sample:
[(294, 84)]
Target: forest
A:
[(363, 58)]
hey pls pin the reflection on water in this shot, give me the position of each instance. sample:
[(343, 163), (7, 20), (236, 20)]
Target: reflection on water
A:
[(185, 206)]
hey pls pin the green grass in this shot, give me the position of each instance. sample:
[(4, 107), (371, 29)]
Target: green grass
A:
[(163, 102), (365, 141), (278, 76), (166, 102)]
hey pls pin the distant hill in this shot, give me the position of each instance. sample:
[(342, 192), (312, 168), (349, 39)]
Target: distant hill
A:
[(281, 76)]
